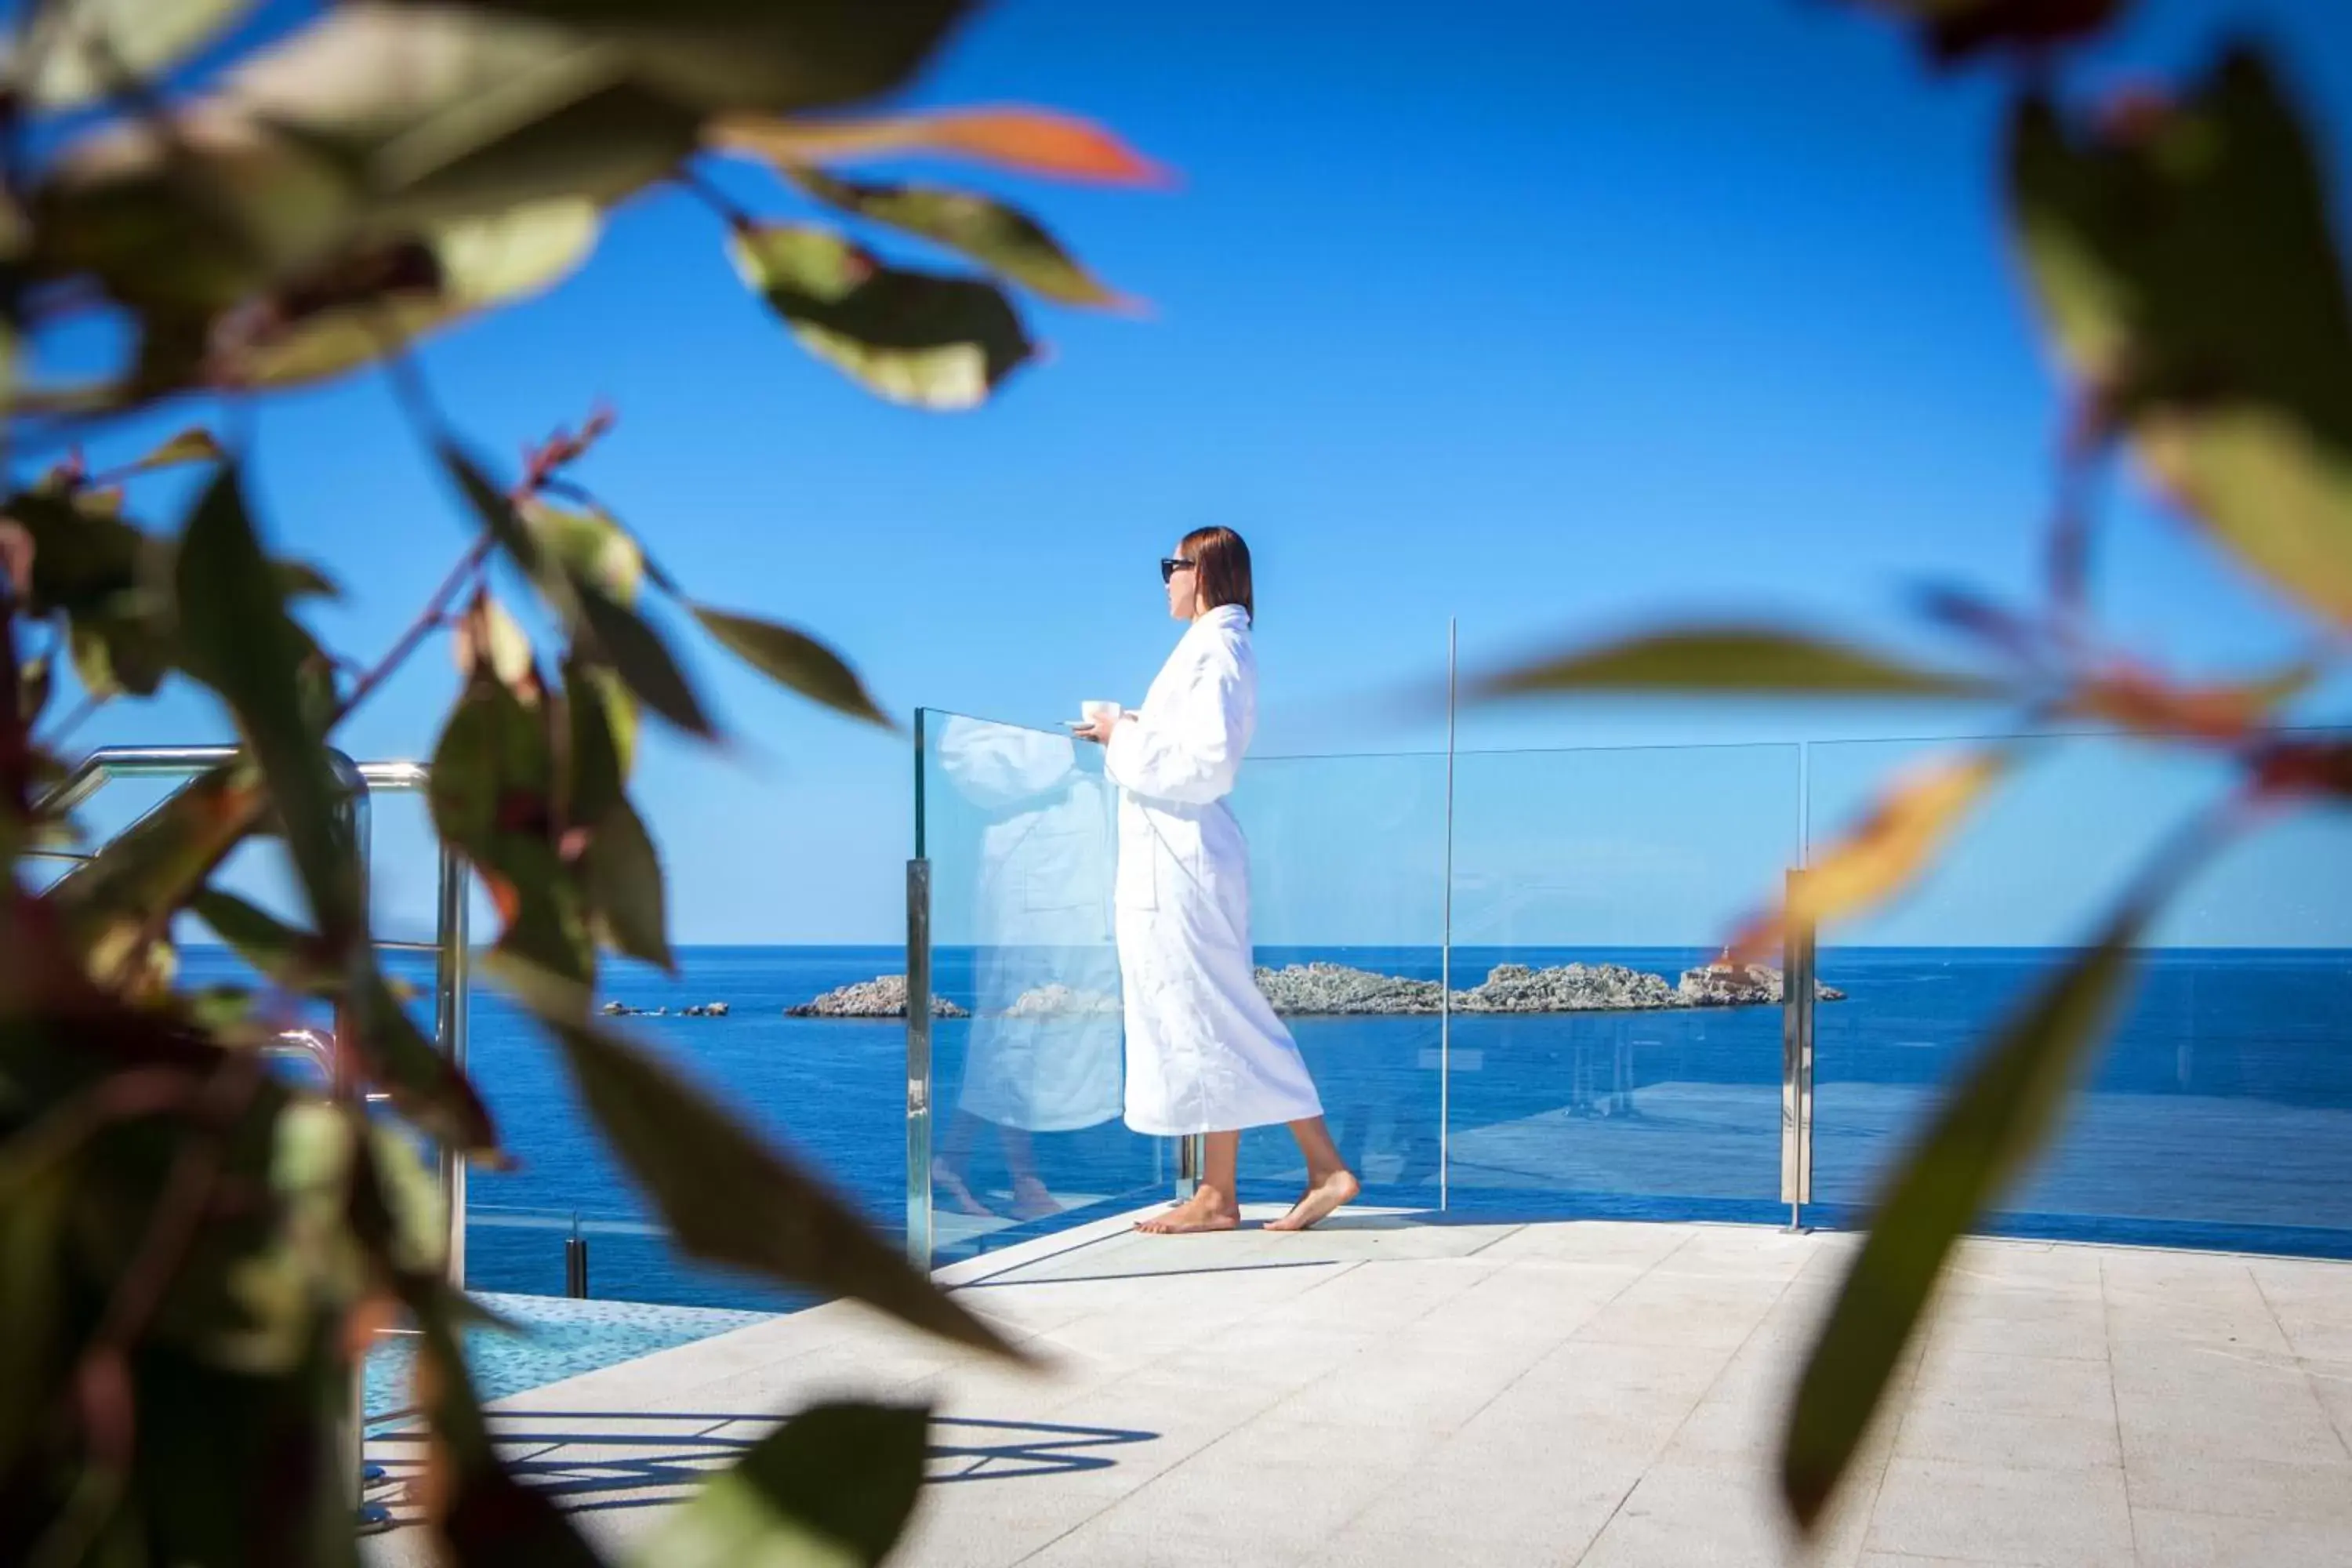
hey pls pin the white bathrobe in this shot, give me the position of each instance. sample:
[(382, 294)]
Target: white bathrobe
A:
[(1205, 1051)]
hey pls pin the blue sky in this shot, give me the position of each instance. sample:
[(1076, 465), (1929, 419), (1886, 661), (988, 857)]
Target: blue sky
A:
[(1558, 318)]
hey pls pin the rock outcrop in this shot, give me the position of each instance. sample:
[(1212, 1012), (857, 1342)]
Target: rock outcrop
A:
[(698, 1010), (1739, 986), (884, 996), (1336, 989)]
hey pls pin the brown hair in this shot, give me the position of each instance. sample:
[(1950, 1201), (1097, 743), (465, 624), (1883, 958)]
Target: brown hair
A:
[(1221, 569)]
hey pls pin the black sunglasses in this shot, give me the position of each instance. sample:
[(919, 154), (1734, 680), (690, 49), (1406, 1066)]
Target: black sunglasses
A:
[(1171, 565)]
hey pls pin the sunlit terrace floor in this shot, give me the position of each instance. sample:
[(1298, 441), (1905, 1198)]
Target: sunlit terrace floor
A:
[(1387, 1390)]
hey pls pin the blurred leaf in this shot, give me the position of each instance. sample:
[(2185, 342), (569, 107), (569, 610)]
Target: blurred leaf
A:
[(623, 877), (126, 892), (1880, 856), (726, 1198), (83, 557), (423, 1084), (364, 307), (833, 1485), (641, 659), (34, 1311), (588, 545), (288, 958), (497, 513), (193, 445), (2296, 765), (483, 1515), (301, 580), (1032, 141), (1984, 1134), (490, 645), (597, 767), (239, 641), (35, 680), (744, 54), (2182, 257), (446, 114), (1002, 238), (492, 792), (77, 51), (2225, 714), (915, 338), (794, 660), (1732, 661), (1954, 29)]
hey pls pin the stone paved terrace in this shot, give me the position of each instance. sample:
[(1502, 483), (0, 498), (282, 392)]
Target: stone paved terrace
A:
[(1389, 1391)]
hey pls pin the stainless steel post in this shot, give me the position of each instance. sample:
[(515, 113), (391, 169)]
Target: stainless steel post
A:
[(919, 1063), (1446, 942), (450, 935), (1797, 1006)]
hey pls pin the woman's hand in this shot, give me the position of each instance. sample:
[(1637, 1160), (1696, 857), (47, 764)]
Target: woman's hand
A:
[(1100, 730)]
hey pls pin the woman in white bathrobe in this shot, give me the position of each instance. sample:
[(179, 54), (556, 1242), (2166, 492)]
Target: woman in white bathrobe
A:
[(1205, 1051)]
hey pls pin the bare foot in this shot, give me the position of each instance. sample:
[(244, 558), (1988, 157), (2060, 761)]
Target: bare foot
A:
[(1338, 1187), (1031, 1201), (1203, 1211), (960, 1197)]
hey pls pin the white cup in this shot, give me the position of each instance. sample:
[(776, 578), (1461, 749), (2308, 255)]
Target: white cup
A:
[(1099, 713)]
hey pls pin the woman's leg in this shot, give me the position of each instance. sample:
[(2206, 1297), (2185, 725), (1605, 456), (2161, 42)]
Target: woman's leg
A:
[(1214, 1205), (1330, 1182)]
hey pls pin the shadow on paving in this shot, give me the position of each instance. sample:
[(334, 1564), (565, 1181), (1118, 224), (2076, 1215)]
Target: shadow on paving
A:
[(662, 1455)]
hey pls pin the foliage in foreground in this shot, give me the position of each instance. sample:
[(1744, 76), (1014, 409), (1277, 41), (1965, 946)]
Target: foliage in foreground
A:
[(2179, 249), (194, 1247)]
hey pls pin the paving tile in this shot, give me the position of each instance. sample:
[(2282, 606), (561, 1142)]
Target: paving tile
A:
[(1982, 1512), (2249, 1489), (2169, 1539), (2038, 1442)]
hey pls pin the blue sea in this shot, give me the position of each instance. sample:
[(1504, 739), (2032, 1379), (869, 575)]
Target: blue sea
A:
[(2218, 1115)]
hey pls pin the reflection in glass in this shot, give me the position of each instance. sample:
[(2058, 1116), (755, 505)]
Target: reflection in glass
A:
[(1033, 851)]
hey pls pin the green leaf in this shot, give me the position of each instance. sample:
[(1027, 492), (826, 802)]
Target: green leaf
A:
[(193, 445), (2182, 257), (1733, 662), (591, 546), (833, 1485), (623, 877), (155, 866), (239, 641), (366, 306), (641, 659), (288, 958), (793, 659), (35, 680), (1002, 238), (36, 1207), (597, 760), (77, 51), (497, 513), (727, 1198), (916, 338), (1952, 30), (426, 1086), (301, 580), (708, 55), (492, 793), (1986, 1132)]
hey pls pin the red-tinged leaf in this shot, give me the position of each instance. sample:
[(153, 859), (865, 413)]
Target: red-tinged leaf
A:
[(1880, 857), (1032, 141), (1951, 30), (2300, 767), (1002, 238), (2141, 701)]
